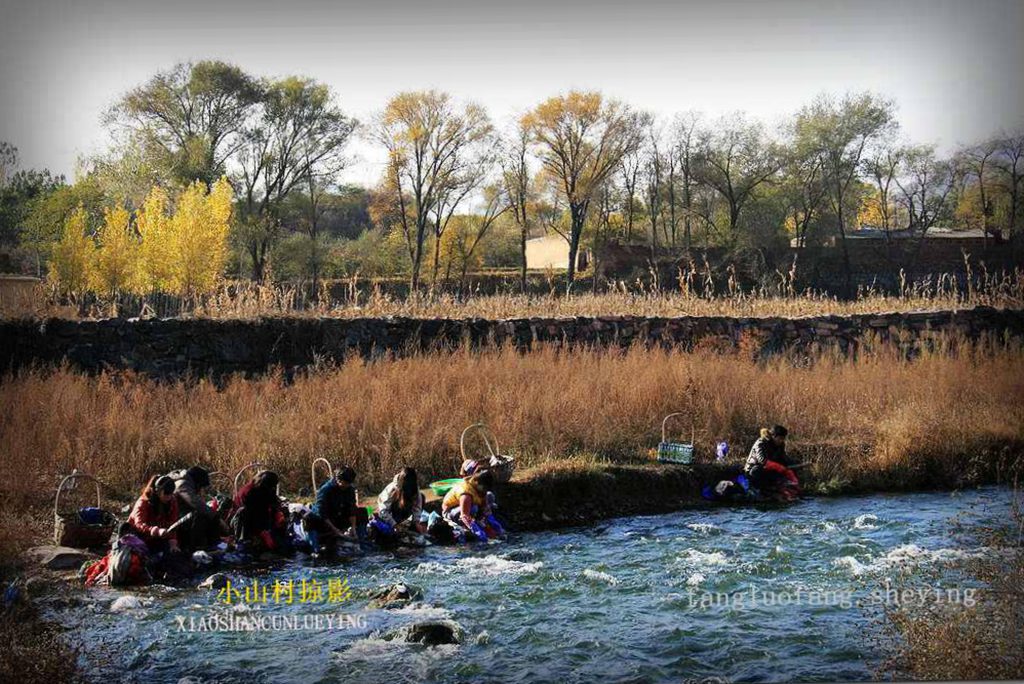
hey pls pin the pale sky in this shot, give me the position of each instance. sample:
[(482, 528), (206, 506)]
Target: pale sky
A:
[(953, 67)]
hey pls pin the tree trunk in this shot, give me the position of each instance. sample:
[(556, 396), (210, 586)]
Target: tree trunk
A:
[(522, 248), (258, 262), (414, 280), (578, 214), (847, 275), (437, 260)]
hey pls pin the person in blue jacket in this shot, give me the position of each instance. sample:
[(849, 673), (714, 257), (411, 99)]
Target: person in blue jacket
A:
[(335, 516)]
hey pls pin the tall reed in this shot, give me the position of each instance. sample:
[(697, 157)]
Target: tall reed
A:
[(879, 419)]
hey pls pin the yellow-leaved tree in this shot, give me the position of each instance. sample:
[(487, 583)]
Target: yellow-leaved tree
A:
[(181, 253), (116, 259), (200, 228), (72, 256), (157, 248)]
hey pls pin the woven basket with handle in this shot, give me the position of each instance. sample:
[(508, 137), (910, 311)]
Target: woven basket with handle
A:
[(499, 464), (68, 527)]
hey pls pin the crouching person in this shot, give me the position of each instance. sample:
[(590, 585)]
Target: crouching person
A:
[(153, 521), (335, 515), (469, 505), (153, 514), (259, 521), (767, 466), (399, 506), (207, 526)]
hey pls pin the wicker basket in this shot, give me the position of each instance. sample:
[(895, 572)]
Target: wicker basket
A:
[(68, 527), (674, 452), (312, 472), (256, 465), (499, 464)]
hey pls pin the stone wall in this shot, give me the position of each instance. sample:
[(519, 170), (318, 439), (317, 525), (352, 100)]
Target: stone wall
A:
[(177, 347)]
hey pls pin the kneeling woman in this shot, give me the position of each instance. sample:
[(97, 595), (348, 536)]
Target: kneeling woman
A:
[(259, 517), (154, 513), (469, 505), (400, 504)]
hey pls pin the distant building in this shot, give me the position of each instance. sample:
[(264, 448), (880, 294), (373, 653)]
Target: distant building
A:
[(551, 252), (964, 237)]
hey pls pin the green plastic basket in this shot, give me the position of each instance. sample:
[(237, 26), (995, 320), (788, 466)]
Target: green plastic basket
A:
[(441, 487), (672, 452)]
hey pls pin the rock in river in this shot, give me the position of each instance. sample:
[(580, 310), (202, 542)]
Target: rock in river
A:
[(217, 581), (429, 633), (395, 596), (59, 557)]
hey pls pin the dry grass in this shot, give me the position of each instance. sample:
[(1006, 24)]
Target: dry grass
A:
[(981, 641), (877, 420), (690, 298)]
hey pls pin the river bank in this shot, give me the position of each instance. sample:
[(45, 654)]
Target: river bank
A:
[(580, 491), (637, 598), (560, 495)]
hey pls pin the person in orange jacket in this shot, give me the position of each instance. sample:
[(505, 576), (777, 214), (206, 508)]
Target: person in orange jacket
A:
[(154, 513)]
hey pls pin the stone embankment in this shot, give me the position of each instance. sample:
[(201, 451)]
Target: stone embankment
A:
[(177, 347)]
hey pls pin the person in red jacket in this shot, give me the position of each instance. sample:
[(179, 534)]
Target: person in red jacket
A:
[(154, 512)]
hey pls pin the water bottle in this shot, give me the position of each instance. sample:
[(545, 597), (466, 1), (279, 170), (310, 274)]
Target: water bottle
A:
[(722, 451)]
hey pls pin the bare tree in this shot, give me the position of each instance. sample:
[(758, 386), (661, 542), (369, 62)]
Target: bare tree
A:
[(1010, 164), (653, 180), (496, 203), (629, 171), (431, 143), (882, 168), (842, 132), (683, 154), (450, 195), (581, 139), (735, 160), (298, 141), (805, 190), (979, 161), (925, 185), (516, 178)]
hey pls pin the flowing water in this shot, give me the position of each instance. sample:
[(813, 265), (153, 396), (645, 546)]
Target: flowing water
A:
[(741, 594)]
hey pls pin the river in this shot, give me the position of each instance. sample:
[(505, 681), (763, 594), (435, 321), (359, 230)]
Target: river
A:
[(742, 594)]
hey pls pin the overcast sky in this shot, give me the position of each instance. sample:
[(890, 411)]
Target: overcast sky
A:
[(954, 67)]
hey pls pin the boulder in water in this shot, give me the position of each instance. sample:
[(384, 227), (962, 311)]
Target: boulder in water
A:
[(123, 604), (429, 633), (395, 596), (59, 557)]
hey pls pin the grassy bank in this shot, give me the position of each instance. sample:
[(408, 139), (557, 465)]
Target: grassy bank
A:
[(580, 422), (875, 421)]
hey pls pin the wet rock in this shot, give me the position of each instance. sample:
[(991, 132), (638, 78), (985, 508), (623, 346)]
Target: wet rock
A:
[(123, 604), (395, 596), (36, 586), (216, 581), (58, 557), (429, 633)]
